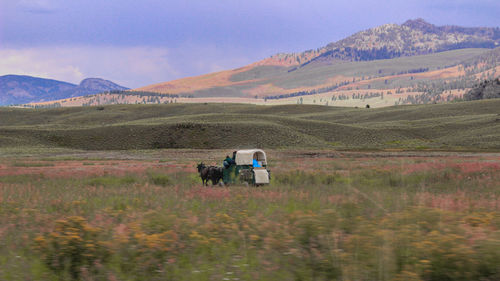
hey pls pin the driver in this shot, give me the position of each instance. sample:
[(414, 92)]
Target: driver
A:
[(228, 162)]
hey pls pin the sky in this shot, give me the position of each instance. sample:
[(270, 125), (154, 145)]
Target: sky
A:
[(137, 43)]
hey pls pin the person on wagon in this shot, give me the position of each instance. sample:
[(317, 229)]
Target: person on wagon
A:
[(228, 162)]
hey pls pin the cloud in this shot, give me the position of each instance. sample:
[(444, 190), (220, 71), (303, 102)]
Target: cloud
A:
[(38, 62), (285, 26), (155, 41), (37, 6), (128, 66)]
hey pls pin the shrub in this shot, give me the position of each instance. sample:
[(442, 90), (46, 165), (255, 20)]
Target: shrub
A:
[(145, 255), (488, 252), (160, 179), (311, 252), (445, 256), (73, 245)]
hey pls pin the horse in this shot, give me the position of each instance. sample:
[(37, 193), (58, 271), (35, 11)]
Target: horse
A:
[(215, 174), (203, 170), (212, 173)]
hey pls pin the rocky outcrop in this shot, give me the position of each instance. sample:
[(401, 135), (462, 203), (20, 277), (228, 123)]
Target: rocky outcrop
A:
[(489, 89)]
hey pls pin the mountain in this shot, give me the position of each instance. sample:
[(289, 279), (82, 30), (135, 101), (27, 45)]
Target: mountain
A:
[(414, 37), (101, 85), (17, 89), (20, 89), (91, 86), (419, 41), (409, 63)]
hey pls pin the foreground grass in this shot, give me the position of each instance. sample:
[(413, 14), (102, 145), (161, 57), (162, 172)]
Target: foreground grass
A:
[(320, 219)]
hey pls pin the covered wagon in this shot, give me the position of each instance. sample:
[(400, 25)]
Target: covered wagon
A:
[(247, 167)]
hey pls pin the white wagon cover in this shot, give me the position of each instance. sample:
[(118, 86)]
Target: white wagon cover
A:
[(245, 157)]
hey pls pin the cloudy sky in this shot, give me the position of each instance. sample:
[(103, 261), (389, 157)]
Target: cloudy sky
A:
[(136, 43)]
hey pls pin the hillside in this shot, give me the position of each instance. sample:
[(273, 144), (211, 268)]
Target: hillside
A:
[(17, 89), (465, 125), (20, 89), (410, 57), (380, 83), (414, 37), (412, 63)]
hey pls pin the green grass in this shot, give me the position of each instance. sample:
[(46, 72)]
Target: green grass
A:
[(160, 179), (465, 125), (107, 181), (314, 75), (31, 164)]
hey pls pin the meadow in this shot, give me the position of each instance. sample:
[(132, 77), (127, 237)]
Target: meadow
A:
[(469, 126), (327, 215)]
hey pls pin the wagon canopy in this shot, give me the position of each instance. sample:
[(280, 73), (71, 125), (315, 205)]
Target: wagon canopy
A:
[(246, 157)]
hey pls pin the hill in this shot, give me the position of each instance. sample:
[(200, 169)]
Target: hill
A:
[(336, 62), (380, 83), (412, 63), (465, 125), (414, 37), (17, 89), (20, 89)]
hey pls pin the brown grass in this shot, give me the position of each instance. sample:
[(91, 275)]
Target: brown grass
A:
[(190, 84)]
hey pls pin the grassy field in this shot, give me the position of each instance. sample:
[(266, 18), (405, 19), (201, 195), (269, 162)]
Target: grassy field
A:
[(327, 215), (456, 126), (310, 76), (245, 82), (112, 193)]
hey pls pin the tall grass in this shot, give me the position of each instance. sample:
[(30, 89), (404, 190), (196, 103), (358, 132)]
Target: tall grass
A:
[(326, 219)]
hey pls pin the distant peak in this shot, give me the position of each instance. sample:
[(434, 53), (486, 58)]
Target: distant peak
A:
[(419, 21), (100, 84), (91, 80), (420, 24)]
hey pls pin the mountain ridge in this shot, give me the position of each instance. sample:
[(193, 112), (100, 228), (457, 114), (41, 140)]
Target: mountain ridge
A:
[(413, 38), (408, 63), (363, 45), (17, 89)]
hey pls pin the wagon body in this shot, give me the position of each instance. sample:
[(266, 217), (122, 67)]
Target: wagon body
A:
[(244, 169)]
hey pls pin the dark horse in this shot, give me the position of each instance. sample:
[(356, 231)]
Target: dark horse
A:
[(207, 173), (215, 174), (203, 170)]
